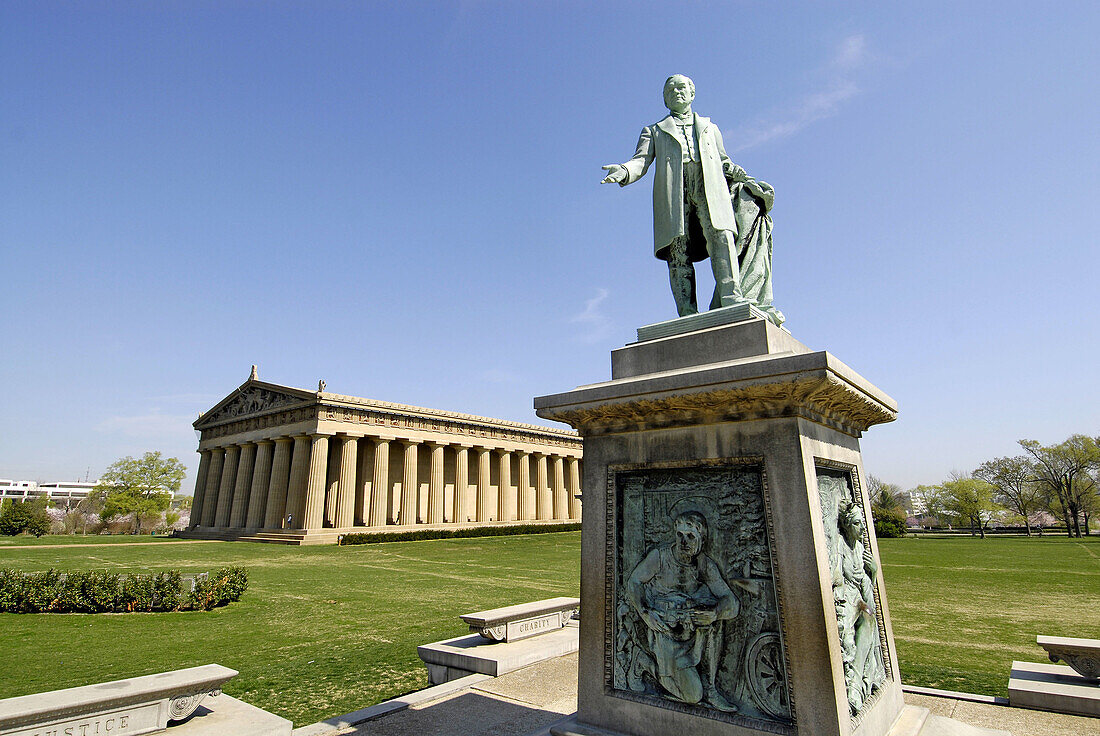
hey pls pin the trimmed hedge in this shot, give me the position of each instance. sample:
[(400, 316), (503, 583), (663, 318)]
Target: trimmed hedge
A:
[(477, 531), (889, 528), (107, 592)]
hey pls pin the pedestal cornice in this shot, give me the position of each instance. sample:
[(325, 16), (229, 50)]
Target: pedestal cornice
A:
[(816, 386)]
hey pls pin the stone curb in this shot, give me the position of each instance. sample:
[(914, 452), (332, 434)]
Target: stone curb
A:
[(954, 695), (339, 723)]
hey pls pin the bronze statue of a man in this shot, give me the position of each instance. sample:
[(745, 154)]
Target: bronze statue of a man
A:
[(692, 212)]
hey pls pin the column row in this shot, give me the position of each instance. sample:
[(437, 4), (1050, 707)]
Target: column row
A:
[(339, 481)]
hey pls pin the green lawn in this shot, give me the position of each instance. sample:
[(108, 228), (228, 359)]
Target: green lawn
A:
[(964, 608), (326, 630), (54, 539), (321, 630)]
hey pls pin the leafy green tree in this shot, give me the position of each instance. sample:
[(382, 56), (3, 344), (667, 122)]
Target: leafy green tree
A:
[(969, 498), (1015, 487), (1063, 472), (142, 487), (886, 508), (25, 516)]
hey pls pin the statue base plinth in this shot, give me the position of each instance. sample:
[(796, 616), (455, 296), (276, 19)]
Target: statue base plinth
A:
[(701, 321), (743, 437)]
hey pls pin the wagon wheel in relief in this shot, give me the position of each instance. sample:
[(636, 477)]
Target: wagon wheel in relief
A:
[(764, 675)]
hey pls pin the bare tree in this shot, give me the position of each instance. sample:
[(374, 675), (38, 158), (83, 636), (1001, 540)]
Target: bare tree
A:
[(1063, 471), (885, 496)]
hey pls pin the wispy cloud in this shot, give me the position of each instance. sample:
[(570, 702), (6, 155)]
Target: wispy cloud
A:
[(839, 87), (597, 324)]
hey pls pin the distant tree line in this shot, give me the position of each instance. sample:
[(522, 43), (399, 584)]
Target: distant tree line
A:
[(1062, 480), (133, 495)]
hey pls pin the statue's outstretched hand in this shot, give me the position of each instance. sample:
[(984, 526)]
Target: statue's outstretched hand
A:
[(616, 174)]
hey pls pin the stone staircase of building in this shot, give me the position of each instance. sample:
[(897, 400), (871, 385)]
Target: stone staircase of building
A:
[(331, 536)]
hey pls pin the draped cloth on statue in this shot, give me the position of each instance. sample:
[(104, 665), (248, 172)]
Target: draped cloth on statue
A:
[(752, 201)]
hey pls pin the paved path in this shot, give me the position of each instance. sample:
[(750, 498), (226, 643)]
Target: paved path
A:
[(527, 701), (105, 544)]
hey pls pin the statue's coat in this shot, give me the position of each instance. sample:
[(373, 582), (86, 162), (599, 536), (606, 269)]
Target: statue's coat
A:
[(661, 144)]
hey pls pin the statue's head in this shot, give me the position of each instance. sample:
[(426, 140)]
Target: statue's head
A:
[(679, 92), (691, 533), (850, 520)]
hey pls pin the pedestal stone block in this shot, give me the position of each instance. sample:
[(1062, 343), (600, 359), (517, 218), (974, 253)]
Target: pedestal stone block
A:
[(730, 581), (1052, 687), (451, 659)]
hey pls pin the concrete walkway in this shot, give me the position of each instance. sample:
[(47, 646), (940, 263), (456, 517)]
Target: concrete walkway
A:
[(527, 701)]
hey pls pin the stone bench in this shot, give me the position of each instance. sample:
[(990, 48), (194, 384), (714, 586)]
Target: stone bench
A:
[(138, 705), (1074, 689), (134, 706), (1083, 655), (513, 623)]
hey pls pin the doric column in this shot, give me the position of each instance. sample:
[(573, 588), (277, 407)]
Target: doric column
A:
[(275, 508), (200, 488), (483, 483), (574, 488), (261, 479), (332, 483), (213, 482), (561, 503), (363, 481), (526, 502), (506, 500), (380, 487), (225, 487), (462, 485), (313, 515), (299, 478), (543, 507), (409, 484), (435, 489), (345, 492), (242, 486)]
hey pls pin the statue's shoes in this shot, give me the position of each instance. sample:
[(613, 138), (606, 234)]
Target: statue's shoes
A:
[(715, 700)]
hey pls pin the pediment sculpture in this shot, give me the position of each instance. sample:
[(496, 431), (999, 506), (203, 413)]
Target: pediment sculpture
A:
[(252, 400)]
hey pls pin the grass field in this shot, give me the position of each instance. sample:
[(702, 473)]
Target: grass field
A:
[(964, 608), (66, 539), (326, 630), (321, 630)]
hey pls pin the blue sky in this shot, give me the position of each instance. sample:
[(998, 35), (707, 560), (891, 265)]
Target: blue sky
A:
[(404, 200)]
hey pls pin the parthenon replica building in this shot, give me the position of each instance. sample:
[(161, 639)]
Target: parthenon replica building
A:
[(282, 464)]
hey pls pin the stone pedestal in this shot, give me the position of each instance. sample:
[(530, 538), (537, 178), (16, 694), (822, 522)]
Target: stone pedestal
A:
[(729, 583)]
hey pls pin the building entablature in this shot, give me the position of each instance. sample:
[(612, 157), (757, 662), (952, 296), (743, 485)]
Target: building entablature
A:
[(258, 411)]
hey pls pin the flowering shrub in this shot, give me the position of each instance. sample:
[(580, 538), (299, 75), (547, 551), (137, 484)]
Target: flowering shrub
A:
[(101, 591)]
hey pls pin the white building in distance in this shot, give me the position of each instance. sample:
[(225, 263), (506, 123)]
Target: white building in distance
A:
[(66, 492)]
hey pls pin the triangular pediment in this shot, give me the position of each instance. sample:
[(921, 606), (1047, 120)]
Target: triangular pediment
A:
[(252, 398)]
